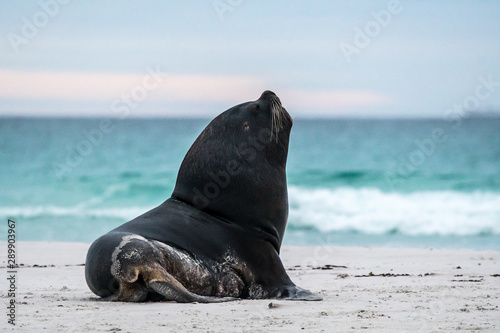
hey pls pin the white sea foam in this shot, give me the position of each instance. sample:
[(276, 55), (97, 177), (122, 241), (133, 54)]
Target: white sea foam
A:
[(372, 211), (366, 210), (124, 213)]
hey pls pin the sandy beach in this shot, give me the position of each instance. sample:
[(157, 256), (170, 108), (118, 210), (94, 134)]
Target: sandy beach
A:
[(374, 289)]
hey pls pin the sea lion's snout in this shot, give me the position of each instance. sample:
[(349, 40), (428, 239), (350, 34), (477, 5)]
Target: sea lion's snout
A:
[(279, 115), (268, 94), (272, 100)]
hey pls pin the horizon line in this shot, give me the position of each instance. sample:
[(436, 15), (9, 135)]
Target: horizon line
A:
[(475, 115)]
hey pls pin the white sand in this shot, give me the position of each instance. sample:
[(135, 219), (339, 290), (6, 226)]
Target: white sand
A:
[(57, 299)]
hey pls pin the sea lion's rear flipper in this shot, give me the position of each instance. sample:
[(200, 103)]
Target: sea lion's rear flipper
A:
[(139, 268), (177, 293)]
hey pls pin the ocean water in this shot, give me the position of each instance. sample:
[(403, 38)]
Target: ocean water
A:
[(418, 183)]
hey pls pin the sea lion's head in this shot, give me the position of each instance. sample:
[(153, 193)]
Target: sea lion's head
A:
[(266, 114), (236, 167)]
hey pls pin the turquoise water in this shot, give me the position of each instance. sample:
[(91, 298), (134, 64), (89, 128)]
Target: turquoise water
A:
[(351, 182)]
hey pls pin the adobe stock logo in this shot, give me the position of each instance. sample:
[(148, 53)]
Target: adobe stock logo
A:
[(94, 137), (31, 28), (223, 6), (453, 117), (363, 38)]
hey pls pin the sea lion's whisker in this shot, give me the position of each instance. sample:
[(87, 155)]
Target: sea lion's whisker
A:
[(276, 117)]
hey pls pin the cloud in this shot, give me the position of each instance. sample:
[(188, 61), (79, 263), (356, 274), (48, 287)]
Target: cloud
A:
[(62, 86), (108, 86), (172, 89), (332, 102)]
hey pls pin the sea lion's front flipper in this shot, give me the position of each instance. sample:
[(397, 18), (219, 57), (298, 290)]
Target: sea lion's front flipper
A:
[(274, 279), (299, 294), (294, 293)]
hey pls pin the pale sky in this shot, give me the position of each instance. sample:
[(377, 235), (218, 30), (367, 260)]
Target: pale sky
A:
[(198, 58)]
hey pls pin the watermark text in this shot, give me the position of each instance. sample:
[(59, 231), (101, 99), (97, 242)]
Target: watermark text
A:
[(31, 27), (11, 272)]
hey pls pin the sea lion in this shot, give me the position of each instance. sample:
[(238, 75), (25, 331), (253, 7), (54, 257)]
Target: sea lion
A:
[(218, 237)]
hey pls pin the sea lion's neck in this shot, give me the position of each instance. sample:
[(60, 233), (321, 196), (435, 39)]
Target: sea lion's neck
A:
[(240, 177)]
